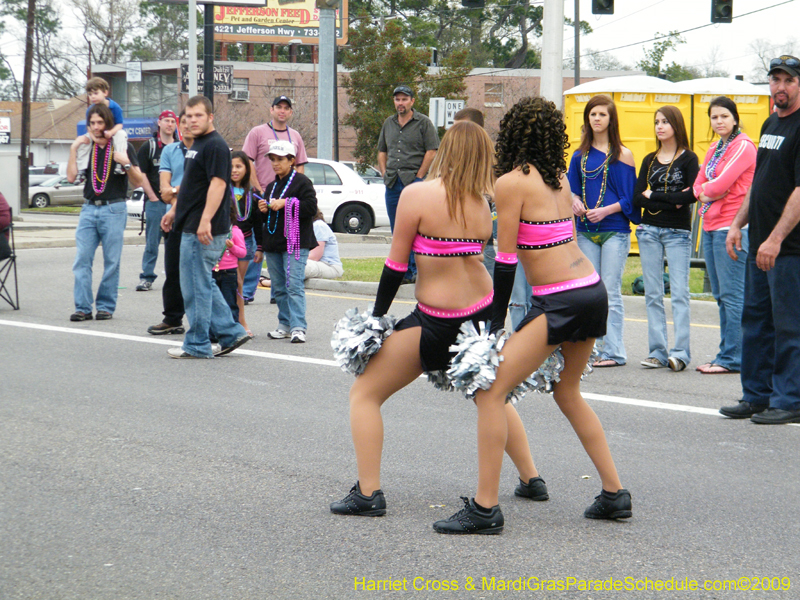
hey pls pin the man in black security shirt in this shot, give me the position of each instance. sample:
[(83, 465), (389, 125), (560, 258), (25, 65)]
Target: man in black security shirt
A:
[(103, 216), (771, 314), (203, 216)]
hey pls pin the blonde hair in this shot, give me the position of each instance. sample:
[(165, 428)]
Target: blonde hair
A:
[(464, 163)]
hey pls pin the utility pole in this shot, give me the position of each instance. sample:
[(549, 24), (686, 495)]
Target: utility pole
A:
[(208, 53), (577, 42), (27, 76), (327, 78), (192, 89), (553, 51)]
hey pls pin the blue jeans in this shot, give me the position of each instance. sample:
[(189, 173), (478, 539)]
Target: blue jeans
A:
[(291, 297), (727, 287), (677, 243), (228, 284), (392, 196), (206, 309), (520, 302), (253, 272), (609, 262), (153, 211), (771, 334), (98, 225)]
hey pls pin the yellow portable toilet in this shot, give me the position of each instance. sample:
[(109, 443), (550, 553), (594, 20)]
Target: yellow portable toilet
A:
[(752, 102), (637, 98)]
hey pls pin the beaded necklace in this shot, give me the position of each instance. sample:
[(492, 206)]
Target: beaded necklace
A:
[(274, 225), (288, 133), (711, 167), (291, 229), (666, 176), (106, 165), (248, 205), (594, 174)]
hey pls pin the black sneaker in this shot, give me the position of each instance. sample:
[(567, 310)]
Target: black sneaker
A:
[(743, 410), (610, 506), (356, 503), (472, 520), (80, 316), (239, 342), (535, 489)]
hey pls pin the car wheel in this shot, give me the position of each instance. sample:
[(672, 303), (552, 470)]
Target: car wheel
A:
[(353, 218), (40, 201)]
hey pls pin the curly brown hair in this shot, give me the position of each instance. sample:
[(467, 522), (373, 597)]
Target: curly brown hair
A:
[(533, 132)]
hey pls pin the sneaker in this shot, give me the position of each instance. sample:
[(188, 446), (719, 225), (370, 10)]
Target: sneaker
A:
[(178, 352), (652, 363), (80, 316), (535, 489), (165, 328), (273, 301), (144, 286), (298, 336), (610, 506), (776, 416), (118, 170), (356, 503), (676, 364), (472, 520), (248, 300), (102, 315), (228, 349), (278, 334)]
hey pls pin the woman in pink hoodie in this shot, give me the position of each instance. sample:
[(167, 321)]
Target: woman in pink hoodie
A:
[(721, 187)]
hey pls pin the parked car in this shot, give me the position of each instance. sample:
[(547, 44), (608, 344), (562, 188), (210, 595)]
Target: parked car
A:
[(369, 174), (349, 204), (38, 175), (57, 191), (135, 204)]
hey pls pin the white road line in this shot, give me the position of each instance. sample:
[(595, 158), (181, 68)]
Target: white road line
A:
[(330, 363)]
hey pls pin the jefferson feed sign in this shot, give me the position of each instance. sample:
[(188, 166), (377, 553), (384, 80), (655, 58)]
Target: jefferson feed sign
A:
[(276, 23)]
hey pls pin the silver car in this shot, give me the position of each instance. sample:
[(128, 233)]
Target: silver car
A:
[(56, 191)]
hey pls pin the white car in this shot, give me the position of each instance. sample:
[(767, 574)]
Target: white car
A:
[(350, 205)]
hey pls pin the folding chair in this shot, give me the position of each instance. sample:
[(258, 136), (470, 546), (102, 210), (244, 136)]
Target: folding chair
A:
[(8, 265)]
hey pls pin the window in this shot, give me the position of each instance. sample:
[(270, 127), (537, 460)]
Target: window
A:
[(493, 94), (241, 83), (315, 173), (284, 87), (331, 178)]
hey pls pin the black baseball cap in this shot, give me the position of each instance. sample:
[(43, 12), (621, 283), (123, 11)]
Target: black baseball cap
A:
[(403, 89), (786, 63), (280, 99)]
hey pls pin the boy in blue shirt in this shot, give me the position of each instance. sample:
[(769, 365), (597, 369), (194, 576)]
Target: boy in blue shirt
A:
[(97, 90)]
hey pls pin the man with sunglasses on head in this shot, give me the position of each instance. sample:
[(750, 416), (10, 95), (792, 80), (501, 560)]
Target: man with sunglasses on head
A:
[(771, 315)]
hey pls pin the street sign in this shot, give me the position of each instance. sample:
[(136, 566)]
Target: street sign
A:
[(133, 71), (451, 107), (5, 130)]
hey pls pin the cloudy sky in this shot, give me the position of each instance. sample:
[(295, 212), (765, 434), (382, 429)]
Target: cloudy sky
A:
[(639, 20)]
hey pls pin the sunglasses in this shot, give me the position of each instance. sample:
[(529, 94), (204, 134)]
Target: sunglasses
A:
[(784, 62)]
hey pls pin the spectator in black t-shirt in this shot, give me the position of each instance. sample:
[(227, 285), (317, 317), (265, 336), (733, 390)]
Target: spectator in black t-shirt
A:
[(771, 314), (202, 215), (103, 216)]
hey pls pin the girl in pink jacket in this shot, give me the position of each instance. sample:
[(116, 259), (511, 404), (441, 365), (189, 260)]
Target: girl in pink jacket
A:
[(721, 187)]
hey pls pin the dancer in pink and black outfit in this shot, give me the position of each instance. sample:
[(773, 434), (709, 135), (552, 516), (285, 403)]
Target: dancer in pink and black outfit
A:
[(289, 205), (446, 222)]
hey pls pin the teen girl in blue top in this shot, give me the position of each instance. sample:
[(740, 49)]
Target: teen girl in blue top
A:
[(602, 176)]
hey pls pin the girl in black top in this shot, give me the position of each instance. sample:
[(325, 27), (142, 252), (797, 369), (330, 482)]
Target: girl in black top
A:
[(288, 206), (664, 191)]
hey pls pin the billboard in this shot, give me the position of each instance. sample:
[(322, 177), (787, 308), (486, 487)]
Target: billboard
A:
[(277, 22)]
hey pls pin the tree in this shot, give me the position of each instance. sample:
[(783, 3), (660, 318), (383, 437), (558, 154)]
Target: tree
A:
[(652, 64), (765, 51), (379, 60), (108, 27), (166, 29)]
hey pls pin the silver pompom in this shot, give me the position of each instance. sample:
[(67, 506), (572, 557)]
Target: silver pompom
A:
[(546, 375), (477, 357), (357, 337), (440, 380)]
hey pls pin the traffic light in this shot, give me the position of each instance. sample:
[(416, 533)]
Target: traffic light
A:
[(721, 11), (602, 7)]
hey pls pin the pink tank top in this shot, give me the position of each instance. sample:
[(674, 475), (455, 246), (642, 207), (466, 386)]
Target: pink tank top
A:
[(535, 235), (431, 246)]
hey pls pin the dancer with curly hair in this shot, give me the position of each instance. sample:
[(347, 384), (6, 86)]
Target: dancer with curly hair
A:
[(570, 304), (602, 176), (446, 221)]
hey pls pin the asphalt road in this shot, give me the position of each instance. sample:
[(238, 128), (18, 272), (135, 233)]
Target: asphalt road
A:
[(124, 474)]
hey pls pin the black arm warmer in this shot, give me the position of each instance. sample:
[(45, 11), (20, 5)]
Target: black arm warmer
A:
[(503, 284), (387, 289)]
